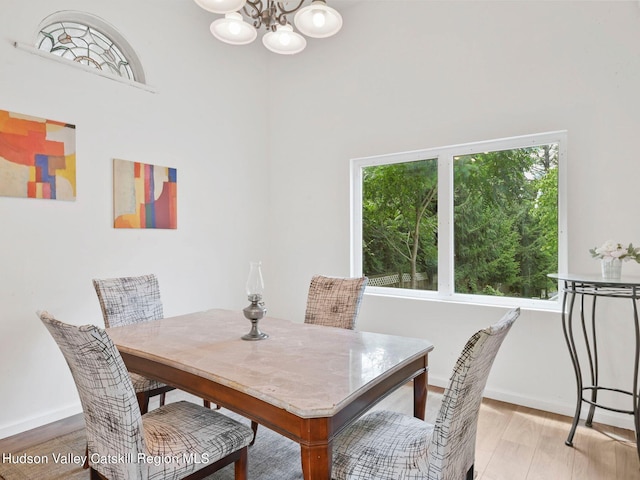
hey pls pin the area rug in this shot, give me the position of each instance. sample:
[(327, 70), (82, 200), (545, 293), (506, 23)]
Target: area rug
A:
[(272, 457)]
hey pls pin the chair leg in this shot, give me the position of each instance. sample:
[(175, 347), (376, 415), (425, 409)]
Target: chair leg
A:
[(162, 399), (143, 401), (207, 404), (254, 427), (85, 465), (470, 473), (94, 475), (240, 466)]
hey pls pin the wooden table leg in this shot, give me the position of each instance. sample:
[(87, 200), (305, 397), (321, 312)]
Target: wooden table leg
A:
[(316, 461), (420, 395)]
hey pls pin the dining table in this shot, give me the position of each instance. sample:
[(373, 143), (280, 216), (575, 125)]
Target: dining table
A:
[(305, 382)]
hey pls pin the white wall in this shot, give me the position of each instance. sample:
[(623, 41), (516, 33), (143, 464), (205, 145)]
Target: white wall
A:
[(410, 75), (206, 119), (255, 135)]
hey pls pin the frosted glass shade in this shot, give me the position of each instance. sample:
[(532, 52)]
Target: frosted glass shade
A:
[(317, 20), (233, 29), (221, 6), (284, 40)]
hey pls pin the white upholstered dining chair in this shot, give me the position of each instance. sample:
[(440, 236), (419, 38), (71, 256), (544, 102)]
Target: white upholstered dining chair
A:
[(386, 445), (128, 300), (333, 301), (181, 440)]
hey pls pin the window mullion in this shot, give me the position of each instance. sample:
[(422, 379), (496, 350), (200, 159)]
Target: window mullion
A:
[(445, 223), (356, 219)]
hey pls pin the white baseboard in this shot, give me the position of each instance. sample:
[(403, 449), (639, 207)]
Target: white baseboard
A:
[(601, 416), (39, 421)]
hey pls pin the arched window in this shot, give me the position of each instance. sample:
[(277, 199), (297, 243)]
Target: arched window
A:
[(89, 40)]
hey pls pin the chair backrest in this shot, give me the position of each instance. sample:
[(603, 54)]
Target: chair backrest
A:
[(452, 449), (111, 413), (128, 300), (334, 302)]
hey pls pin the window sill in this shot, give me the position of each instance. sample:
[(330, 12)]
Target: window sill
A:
[(460, 299), (86, 68)]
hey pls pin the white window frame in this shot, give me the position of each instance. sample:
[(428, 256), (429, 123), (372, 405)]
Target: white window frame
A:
[(445, 156)]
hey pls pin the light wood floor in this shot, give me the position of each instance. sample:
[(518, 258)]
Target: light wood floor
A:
[(520, 443), (513, 443)]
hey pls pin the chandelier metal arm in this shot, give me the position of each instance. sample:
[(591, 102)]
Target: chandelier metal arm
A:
[(284, 10), (254, 11), (282, 17), (270, 15)]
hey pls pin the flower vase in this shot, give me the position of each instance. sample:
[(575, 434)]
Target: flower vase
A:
[(611, 268)]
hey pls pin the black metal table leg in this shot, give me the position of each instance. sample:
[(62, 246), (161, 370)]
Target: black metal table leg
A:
[(636, 406), (567, 327)]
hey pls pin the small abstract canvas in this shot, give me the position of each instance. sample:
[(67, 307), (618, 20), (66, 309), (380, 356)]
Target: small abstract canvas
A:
[(37, 157), (144, 195)]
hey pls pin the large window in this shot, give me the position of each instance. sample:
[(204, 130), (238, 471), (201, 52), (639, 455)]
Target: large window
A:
[(480, 222)]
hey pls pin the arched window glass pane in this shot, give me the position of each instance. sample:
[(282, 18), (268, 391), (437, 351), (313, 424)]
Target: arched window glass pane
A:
[(86, 45)]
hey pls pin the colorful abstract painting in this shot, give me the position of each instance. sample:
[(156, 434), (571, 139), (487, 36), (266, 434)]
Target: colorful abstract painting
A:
[(37, 157), (144, 196)]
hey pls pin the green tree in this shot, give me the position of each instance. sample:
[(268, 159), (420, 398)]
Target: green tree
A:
[(400, 218), (505, 209), (486, 242)]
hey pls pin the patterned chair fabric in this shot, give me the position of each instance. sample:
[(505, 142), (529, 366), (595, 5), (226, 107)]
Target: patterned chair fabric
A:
[(170, 442), (129, 300), (391, 446), (334, 302)]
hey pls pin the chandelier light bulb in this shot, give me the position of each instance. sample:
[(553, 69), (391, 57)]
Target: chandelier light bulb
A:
[(233, 29), (318, 20), (284, 40), (221, 6)]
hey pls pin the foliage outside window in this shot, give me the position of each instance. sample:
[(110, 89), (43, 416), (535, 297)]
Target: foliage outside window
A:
[(475, 220)]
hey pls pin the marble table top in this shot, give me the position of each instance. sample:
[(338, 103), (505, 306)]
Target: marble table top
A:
[(309, 370)]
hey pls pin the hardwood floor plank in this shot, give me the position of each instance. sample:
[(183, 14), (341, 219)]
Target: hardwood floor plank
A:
[(595, 457), (510, 461), (27, 439), (627, 465), (492, 422), (552, 458), (525, 427)]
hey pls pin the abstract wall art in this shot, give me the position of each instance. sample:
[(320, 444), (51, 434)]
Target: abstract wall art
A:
[(144, 195), (37, 157)]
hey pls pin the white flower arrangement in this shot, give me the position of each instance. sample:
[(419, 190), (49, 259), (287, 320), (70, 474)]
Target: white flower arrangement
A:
[(610, 250)]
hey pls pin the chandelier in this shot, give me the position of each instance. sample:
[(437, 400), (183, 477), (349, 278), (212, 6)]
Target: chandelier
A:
[(315, 20)]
